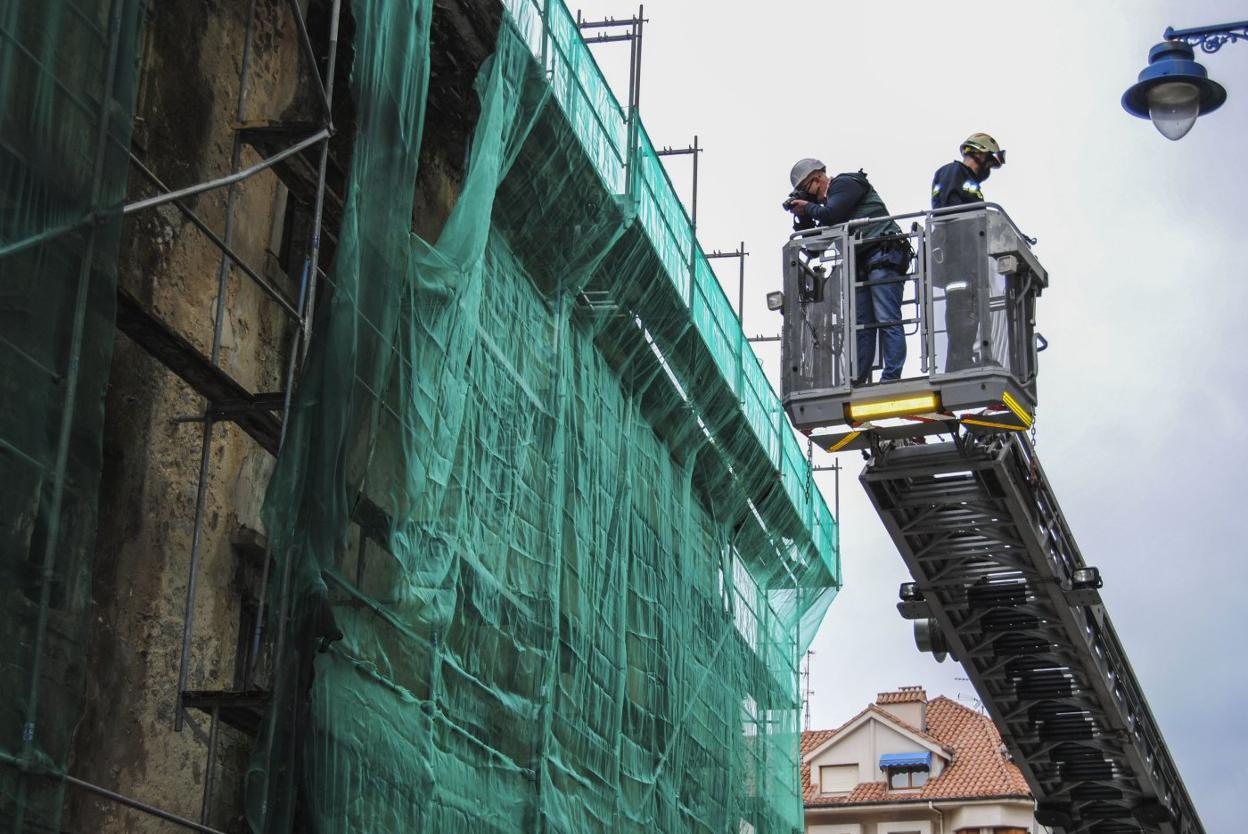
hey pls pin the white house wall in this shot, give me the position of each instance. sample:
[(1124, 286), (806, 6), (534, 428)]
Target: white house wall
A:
[(919, 818), (864, 745), (990, 816)]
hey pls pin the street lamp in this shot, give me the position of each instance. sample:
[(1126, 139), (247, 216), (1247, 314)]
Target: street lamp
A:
[(1174, 89)]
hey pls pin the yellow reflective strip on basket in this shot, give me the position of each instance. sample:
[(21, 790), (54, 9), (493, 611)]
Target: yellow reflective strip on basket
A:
[(1019, 411), (972, 421), (844, 441)]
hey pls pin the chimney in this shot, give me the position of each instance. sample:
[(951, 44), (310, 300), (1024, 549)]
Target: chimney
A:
[(908, 703)]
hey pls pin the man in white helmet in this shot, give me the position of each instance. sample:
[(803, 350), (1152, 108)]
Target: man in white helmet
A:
[(820, 200), (958, 270)]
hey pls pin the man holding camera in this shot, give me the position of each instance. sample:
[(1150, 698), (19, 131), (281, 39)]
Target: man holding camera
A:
[(818, 200), (957, 271)]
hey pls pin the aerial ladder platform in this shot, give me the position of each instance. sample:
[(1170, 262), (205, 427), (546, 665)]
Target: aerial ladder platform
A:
[(999, 582)]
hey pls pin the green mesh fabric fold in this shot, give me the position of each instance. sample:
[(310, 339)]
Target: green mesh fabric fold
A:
[(582, 580), (67, 80)]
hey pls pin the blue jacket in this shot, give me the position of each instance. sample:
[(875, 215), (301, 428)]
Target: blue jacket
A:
[(955, 185)]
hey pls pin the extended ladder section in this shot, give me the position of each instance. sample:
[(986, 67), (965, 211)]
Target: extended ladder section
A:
[(1001, 585)]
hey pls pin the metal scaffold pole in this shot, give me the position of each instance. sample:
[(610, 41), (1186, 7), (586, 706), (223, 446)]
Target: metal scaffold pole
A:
[(633, 38), (306, 303), (201, 488), (694, 151), (741, 254)]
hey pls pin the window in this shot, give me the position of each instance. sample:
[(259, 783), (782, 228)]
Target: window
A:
[(838, 778), (906, 771), (904, 778)]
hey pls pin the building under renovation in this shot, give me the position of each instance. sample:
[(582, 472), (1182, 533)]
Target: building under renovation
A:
[(379, 450)]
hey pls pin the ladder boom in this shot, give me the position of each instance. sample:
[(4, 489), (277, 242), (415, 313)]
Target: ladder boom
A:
[(998, 573)]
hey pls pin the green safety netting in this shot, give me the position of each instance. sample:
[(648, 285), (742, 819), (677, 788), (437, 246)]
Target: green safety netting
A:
[(586, 552), (67, 80)]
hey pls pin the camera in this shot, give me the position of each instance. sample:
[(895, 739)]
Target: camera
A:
[(797, 194)]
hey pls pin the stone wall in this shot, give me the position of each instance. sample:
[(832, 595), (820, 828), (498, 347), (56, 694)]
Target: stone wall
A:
[(186, 110), (188, 99)]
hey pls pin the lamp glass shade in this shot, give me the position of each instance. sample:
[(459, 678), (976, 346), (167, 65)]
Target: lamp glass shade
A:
[(1173, 107)]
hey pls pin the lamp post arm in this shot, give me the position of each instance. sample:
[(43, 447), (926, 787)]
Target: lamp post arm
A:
[(1209, 38)]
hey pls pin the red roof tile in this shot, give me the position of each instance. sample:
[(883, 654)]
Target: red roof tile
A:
[(978, 770), (904, 695), (813, 738)]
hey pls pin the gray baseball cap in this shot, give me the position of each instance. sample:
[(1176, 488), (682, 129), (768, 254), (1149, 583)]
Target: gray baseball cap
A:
[(803, 168)]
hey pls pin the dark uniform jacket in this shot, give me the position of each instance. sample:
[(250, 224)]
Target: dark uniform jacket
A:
[(955, 185), (849, 197)]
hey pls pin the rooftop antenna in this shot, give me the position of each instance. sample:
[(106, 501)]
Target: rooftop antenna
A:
[(806, 689), (973, 698)]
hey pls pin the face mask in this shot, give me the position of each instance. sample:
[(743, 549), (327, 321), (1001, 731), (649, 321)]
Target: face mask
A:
[(985, 166)]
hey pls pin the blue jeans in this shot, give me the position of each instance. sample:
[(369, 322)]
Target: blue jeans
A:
[(875, 304)]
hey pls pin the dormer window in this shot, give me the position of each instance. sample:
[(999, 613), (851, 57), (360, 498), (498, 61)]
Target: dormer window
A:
[(905, 778), (906, 771)]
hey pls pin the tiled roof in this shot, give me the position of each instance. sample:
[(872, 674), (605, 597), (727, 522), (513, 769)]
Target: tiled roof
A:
[(904, 695), (813, 738), (979, 769)]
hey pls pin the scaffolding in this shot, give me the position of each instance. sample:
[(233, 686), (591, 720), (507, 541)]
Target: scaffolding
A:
[(766, 564), (29, 52)]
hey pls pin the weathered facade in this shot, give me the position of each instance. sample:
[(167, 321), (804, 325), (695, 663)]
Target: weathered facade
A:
[(220, 86)]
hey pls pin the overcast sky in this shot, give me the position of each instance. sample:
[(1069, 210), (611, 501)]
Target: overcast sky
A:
[(1143, 390)]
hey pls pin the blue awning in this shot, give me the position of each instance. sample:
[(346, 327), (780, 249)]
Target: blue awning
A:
[(923, 759)]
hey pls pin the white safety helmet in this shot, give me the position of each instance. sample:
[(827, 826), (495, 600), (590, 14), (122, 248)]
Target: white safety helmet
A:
[(803, 168)]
